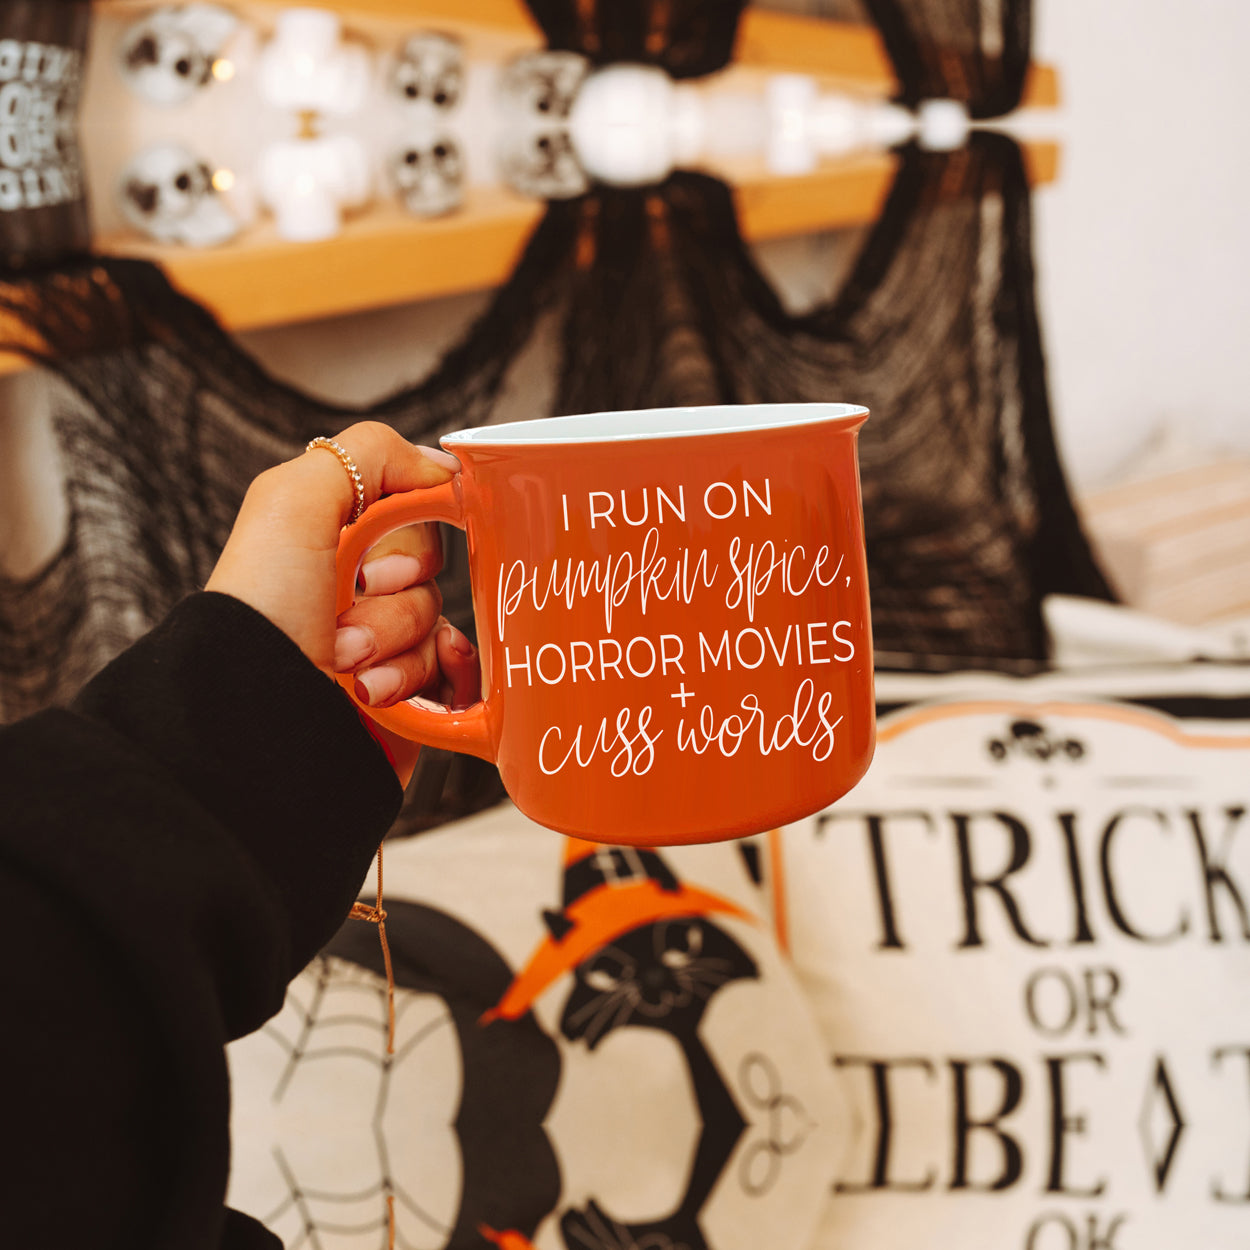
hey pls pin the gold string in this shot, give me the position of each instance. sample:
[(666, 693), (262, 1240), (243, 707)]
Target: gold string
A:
[(377, 915)]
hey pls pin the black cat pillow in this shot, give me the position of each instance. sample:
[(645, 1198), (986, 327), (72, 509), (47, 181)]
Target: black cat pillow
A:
[(596, 1049)]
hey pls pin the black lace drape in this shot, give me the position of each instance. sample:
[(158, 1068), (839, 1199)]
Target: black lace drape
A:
[(688, 38), (625, 299), (974, 51), (968, 518)]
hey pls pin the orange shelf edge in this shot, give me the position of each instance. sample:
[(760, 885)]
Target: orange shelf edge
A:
[(378, 261), (381, 261)]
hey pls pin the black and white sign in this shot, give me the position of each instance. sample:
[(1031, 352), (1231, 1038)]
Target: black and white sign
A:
[(1026, 935)]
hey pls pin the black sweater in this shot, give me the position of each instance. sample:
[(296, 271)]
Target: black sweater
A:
[(173, 849)]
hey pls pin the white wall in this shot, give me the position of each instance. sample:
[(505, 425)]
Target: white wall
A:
[(1143, 244)]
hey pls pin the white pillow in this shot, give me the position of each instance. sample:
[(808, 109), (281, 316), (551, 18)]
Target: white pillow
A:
[(1026, 936), (595, 1048)]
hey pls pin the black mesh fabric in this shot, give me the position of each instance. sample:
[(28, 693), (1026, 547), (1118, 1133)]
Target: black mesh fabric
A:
[(969, 522), (975, 51), (622, 299), (687, 38), (656, 301)]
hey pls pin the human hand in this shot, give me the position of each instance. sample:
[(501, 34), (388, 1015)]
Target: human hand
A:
[(399, 602), (280, 559)]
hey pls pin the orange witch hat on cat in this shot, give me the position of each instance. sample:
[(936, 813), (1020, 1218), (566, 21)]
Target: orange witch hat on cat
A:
[(608, 891), (509, 1239)]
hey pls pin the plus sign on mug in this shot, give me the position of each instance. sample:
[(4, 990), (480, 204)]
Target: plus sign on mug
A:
[(672, 609)]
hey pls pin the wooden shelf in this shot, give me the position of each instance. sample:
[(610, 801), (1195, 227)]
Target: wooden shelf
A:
[(384, 258), (381, 258)]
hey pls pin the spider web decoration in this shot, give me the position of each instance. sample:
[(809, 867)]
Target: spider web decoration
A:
[(508, 1073), (336, 1012), (163, 421), (314, 1232)]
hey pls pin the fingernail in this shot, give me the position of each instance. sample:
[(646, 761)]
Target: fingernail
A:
[(352, 644), (377, 685), (390, 573), (459, 643), (440, 457)]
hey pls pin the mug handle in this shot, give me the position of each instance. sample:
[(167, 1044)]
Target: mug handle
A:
[(466, 731)]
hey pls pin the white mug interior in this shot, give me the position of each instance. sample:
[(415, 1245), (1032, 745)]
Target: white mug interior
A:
[(654, 423)]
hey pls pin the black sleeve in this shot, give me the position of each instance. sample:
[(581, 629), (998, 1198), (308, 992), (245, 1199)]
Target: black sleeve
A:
[(173, 849)]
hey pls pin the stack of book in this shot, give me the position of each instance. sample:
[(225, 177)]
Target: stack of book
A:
[(1176, 544)]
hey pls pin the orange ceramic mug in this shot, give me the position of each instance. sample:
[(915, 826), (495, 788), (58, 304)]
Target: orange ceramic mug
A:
[(672, 614)]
